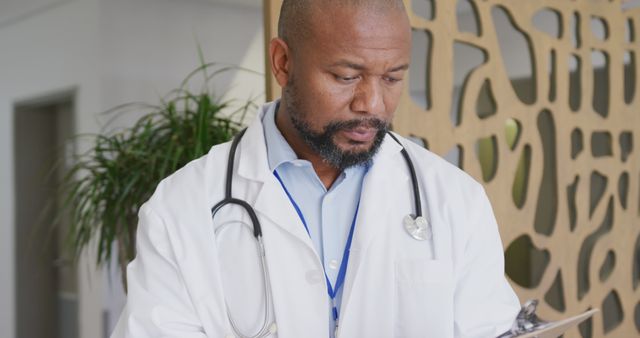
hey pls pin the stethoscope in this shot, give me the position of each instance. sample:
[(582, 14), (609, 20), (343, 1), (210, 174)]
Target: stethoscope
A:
[(417, 226)]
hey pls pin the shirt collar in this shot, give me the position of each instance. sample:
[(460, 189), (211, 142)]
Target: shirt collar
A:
[(279, 151)]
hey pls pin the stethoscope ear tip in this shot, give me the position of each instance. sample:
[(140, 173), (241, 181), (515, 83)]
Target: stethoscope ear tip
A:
[(417, 227)]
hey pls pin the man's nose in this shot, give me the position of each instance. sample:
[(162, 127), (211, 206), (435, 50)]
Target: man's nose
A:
[(368, 97)]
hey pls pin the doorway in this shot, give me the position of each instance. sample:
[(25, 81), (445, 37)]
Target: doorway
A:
[(46, 278)]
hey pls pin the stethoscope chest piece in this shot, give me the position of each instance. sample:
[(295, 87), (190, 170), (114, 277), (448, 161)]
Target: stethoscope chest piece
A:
[(418, 227)]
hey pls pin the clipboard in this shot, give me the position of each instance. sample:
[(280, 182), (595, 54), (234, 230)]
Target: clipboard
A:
[(557, 328), (528, 325)]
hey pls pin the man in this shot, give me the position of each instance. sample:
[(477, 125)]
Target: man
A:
[(330, 189)]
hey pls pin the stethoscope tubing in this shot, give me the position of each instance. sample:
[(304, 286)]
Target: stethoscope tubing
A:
[(257, 229), (414, 177), (257, 233)]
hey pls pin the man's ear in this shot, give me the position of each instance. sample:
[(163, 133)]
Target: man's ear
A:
[(280, 57)]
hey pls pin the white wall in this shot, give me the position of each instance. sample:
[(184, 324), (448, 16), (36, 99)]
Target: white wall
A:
[(43, 53), (151, 45), (111, 51)]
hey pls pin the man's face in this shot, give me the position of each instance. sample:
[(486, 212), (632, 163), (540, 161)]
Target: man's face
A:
[(346, 80)]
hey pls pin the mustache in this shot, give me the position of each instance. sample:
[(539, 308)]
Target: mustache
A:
[(372, 123)]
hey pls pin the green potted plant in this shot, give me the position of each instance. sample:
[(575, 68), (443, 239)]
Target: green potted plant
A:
[(107, 184)]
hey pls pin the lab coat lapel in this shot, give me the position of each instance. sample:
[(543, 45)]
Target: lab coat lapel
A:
[(280, 220), (270, 200), (385, 179)]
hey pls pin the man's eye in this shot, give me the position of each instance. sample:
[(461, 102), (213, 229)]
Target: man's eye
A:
[(392, 80), (346, 79)]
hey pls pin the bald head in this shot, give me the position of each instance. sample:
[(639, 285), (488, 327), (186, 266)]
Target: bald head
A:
[(341, 65), (295, 15)]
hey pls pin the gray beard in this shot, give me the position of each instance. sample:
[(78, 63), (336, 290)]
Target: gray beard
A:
[(322, 143)]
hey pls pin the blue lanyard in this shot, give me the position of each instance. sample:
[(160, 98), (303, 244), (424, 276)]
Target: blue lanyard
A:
[(332, 291)]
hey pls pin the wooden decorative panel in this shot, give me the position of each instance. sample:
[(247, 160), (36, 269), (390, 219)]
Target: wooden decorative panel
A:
[(548, 118)]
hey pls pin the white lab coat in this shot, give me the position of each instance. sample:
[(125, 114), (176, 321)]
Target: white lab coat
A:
[(188, 266)]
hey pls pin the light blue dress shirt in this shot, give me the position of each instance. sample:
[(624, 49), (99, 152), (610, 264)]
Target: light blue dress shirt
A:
[(328, 213)]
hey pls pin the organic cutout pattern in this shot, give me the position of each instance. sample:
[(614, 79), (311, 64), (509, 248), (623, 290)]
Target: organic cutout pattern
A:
[(512, 132), (635, 276), (471, 25), (516, 43), (593, 93), (553, 70), (586, 251), (573, 138), (575, 30), (486, 104), (469, 58), (576, 143), (547, 20), (612, 314), (547, 206), (600, 97), (623, 189), (555, 295), (597, 190), (527, 271), (421, 141), (601, 144), (599, 28), (626, 145), (586, 328), (424, 8), (454, 156), (521, 179), (419, 84), (586, 110), (607, 266), (630, 82), (636, 315), (487, 150), (571, 202), (575, 82)]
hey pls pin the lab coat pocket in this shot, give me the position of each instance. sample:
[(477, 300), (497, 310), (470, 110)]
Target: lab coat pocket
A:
[(423, 298)]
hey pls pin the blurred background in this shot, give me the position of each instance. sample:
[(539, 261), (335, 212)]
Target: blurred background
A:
[(64, 62)]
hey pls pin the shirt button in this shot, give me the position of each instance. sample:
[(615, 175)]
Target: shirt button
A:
[(333, 264), (314, 276)]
